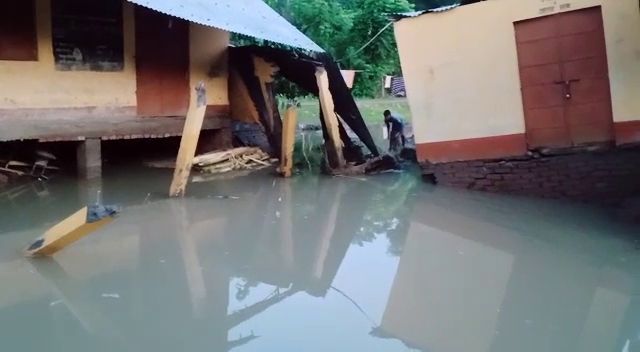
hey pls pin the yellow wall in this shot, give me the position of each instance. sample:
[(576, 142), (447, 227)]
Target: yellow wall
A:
[(39, 85), (242, 107), (461, 69), (447, 292), (208, 47)]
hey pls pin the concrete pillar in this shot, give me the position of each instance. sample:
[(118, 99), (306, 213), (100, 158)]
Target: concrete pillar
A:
[(89, 159)]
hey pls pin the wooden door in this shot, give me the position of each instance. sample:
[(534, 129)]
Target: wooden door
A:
[(564, 79), (162, 64)]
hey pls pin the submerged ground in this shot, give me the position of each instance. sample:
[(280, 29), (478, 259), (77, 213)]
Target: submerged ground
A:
[(316, 264), (386, 263)]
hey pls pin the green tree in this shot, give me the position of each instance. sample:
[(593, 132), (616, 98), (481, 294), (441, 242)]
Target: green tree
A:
[(375, 56), (358, 33)]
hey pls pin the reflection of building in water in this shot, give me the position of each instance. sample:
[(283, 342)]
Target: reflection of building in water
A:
[(465, 283), (171, 263)]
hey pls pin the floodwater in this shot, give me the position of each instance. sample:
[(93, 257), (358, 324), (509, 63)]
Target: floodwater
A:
[(386, 263)]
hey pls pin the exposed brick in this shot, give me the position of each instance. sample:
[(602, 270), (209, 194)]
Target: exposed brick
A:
[(483, 182), (511, 177), (529, 176), (604, 177), (466, 180)]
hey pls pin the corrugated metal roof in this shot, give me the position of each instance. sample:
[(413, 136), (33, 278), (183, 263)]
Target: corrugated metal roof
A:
[(249, 17), (400, 16)]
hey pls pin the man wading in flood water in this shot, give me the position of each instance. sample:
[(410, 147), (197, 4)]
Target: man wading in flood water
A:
[(395, 127)]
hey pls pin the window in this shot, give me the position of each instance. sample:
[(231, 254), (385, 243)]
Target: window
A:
[(87, 35), (18, 30)]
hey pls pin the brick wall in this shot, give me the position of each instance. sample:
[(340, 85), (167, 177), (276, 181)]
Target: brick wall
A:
[(211, 140), (608, 176)]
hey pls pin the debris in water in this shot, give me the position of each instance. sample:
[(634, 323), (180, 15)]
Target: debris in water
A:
[(372, 166), (54, 303), (243, 158), (110, 295), (226, 197)]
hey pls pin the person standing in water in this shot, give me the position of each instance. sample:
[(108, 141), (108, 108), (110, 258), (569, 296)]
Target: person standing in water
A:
[(395, 126)]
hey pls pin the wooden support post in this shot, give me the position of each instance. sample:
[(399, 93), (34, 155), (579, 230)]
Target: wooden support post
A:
[(189, 141), (288, 141), (65, 233), (336, 158)]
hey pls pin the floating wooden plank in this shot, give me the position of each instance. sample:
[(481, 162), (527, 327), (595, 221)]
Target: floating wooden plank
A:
[(336, 158), (189, 141), (65, 233), (288, 141)]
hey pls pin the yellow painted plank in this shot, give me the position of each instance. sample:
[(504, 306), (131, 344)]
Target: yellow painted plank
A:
[(189, 141), (65, 233), (330, 117), (288, 140)]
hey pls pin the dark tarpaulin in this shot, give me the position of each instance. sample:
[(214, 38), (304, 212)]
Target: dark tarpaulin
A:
[(300, 68), (98, 212)]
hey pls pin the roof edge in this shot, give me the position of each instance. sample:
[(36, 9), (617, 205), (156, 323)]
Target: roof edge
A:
[(400, 16)]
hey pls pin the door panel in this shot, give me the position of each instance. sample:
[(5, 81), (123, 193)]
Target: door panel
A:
[(162, 64), (532, 30), (547, 118), (581, 46), (548, 137), (539, 52), (572, 22), (542, 96), (586, 68), (569, 47), (544, 74)]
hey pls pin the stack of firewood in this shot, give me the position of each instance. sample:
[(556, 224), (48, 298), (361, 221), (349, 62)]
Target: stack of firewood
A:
[(244, 158)]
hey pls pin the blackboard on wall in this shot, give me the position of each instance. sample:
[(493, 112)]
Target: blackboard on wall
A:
[(87, 35)]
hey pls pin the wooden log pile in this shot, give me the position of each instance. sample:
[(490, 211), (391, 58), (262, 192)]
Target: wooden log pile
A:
[(243, 158)]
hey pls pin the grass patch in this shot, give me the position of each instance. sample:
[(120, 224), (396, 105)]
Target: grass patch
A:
[(371, 109)]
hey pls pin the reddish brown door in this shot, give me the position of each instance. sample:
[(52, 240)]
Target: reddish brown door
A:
[(162, 64), (565, 79)]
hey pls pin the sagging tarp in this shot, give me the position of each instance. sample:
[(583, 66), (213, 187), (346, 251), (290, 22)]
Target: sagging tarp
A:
[(300, 68)]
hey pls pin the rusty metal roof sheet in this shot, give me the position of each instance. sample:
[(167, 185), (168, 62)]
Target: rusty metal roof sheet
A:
[(400, 16), (249, 17)]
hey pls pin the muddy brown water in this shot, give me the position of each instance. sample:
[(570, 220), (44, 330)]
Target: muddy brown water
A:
[(387, 263)]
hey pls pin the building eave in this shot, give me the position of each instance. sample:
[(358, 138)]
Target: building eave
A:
[(253, 18)]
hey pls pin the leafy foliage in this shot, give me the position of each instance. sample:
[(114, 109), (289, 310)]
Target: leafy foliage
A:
[(358, 33), (389, 214)]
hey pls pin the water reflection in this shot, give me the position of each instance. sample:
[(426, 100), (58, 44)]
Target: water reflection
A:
[(319, 264), (482, 273)]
